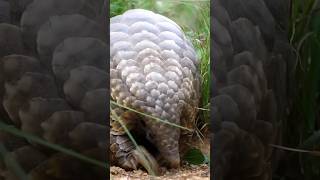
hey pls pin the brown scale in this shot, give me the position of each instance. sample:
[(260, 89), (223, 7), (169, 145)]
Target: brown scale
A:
[(53, 84), (249, 88)]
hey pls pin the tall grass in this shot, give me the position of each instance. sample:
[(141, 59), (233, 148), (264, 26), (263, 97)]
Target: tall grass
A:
[(303, 128)]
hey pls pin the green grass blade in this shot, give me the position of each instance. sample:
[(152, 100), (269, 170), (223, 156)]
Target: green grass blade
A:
[(152, 117), (12, 164), (12, 130), (117, 118)]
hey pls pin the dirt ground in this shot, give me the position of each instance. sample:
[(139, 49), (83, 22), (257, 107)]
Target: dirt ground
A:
[(187, 172)]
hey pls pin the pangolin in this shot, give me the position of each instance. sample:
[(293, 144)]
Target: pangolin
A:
[(54, 85), (251, 66), (153, 69)]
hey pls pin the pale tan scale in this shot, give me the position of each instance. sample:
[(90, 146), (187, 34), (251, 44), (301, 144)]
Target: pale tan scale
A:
[(158, 72)]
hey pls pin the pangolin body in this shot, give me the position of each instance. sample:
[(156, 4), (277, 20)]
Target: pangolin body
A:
[(53, 84), (250, 66), (153, 69)]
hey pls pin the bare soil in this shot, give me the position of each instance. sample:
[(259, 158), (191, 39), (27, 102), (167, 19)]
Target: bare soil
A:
[(187, 172)]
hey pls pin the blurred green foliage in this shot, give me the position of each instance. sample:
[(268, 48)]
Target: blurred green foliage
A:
[(303, 125), (195, 156)]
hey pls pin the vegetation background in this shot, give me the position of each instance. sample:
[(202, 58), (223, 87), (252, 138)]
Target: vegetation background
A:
[(302, 127)]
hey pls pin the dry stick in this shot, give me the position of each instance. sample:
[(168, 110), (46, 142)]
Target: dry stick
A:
[(203, 109), (314, 153)]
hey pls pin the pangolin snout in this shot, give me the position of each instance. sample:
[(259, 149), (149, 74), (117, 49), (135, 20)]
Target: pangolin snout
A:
[(173, 160)]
